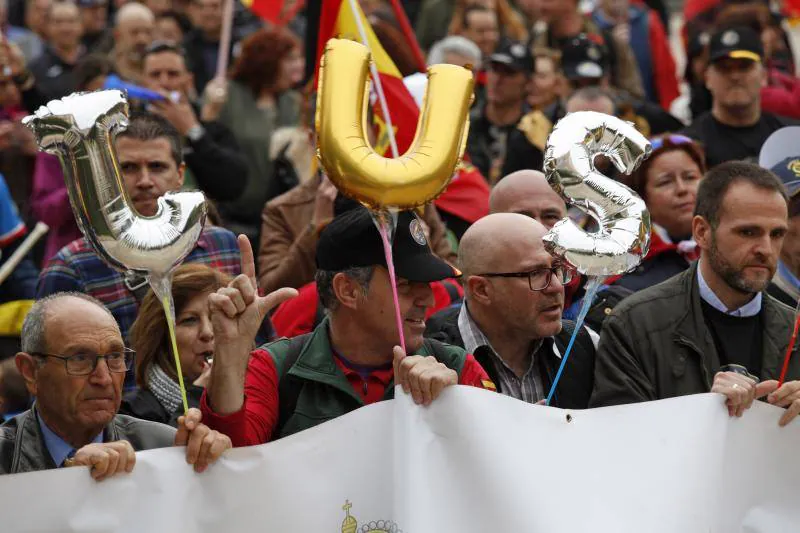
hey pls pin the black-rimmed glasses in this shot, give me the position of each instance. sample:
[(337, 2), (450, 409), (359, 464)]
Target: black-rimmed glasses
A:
[(83, 364), (539, 279)]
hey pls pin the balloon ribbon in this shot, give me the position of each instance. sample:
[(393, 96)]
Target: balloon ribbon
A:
[(788, 356), (591, 291), (383, 227), (162, 287)]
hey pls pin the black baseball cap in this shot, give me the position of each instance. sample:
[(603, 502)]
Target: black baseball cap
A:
[(515, 56), (352, 240), (738, 42), (788, 171), (583, 57)]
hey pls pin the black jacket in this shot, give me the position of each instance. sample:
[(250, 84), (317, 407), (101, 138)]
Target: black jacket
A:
[(655, 344), (22, 447), (575, 386), (216, 163), (55, 78), (143, 404)]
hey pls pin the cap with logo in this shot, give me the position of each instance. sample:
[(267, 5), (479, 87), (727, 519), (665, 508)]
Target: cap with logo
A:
[(788, 171), (352, 240), (736, 43), (515, 56), (582, 57)]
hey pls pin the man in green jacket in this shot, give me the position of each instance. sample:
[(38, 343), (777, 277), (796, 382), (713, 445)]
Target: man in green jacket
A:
[(351, 359), (712, 328)]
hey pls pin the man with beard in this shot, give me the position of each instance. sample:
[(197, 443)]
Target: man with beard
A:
[(713, 327), (735, 128), (511, 316), (133, 33)]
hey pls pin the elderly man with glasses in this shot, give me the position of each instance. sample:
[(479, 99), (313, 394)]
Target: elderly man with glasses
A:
[(511, 316), (73, 361)]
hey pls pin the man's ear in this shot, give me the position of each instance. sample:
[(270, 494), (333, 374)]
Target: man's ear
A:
[(28, 368), (181, 174), (701, 232), (346, 290), (479, 290)]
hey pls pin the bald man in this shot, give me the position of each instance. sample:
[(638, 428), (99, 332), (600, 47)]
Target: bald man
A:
[(527, 192), (511, 316), (133, 33)]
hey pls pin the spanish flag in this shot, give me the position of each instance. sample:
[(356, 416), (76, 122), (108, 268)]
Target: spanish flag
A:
[(275, 11), (338, 19)]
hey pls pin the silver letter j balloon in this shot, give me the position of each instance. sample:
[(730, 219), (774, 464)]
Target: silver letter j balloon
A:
[(79, 129), (624, 235)]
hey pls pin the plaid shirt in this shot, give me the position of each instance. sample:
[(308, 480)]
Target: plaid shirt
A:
[(529, 388), (78, 268)]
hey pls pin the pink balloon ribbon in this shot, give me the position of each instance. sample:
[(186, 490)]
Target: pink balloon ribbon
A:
[(383, 220)]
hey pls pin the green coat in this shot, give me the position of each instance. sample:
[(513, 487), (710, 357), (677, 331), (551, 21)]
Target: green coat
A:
[(655, 345), (313, 389)]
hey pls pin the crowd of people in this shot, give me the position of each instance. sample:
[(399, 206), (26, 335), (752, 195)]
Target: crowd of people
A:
[(284, 311)]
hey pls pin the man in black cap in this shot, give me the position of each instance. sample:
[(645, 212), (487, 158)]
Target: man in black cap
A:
[(351, 359), (785, 285), (507, 80), (735, 128)]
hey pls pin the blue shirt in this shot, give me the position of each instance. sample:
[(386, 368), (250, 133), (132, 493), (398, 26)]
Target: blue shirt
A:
[(58, 448), (751, 308)]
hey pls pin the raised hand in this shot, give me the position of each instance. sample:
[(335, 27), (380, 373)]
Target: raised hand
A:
[(237, 312)]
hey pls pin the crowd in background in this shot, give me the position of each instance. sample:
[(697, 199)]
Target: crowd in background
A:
[(246, 139)]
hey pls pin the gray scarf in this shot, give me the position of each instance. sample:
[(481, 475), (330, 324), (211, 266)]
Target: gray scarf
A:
[(166, 391)]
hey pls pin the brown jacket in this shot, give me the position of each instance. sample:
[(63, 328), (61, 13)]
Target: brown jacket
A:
[(287, 252)]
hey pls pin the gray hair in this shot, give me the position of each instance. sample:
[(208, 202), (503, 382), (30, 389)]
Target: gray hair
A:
[(454, 44), (324, 279), (33, 332)]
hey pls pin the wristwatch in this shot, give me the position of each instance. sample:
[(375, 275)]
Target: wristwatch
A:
[(195, 133)]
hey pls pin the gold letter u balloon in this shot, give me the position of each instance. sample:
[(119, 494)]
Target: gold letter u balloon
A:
[(419, 175)]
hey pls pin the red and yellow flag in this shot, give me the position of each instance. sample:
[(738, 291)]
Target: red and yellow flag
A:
[(339, 20)]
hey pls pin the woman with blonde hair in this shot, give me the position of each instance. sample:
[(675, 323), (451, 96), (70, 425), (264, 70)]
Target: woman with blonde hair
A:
[(158, 397)]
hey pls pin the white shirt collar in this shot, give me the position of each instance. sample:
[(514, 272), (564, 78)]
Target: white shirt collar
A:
[(751, 308)]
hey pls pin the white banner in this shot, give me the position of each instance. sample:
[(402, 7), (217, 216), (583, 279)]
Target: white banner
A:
[(473, 462)]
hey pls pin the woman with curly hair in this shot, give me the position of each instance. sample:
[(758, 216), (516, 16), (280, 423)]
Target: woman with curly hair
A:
[(259, 99), (158, 397)]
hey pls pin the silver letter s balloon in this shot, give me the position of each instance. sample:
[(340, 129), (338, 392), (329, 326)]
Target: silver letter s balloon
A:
[(79, 129), (624, 235)]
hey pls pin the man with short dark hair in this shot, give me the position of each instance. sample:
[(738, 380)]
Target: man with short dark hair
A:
[(482, 28), (713, 327), (149, 155), (73, 361), (508, 75), (351, 359), (735, 128), (53, 69), (212, 155)]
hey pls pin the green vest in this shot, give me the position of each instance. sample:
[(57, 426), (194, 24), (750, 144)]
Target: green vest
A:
[(312, 389)]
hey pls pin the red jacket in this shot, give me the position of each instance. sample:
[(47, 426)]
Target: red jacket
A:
[(782, 95), (663, 64)]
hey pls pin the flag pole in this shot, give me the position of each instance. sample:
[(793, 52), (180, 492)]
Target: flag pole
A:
[(405, 25), (376, 80), (225, 40)]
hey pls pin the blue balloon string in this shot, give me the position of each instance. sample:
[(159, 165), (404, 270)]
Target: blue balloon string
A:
[(592, 286)]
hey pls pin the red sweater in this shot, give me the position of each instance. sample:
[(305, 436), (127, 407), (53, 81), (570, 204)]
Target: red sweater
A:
[(254, 423)]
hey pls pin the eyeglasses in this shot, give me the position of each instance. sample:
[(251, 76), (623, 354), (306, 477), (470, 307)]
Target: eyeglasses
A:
[(83, 364), (658, 142), (539, 279)]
